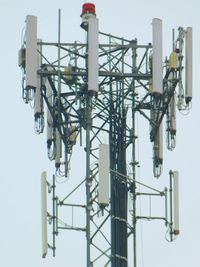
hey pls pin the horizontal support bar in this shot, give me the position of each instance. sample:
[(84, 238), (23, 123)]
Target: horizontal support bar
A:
[(131, 45), (71, 205), (161, 194), (151, 218), (101, 74), (72, 228)]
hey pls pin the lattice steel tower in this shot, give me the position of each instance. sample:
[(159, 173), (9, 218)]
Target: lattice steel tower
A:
[(92, 92)]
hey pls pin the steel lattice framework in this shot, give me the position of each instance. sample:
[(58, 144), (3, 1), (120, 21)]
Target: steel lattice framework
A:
[(75, 113)]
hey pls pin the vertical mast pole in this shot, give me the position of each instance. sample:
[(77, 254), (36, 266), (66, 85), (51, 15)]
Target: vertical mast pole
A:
[(134, 162), (88, 182), (112, 161)]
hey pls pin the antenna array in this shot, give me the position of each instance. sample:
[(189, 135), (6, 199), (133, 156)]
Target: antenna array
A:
[(93, 90)]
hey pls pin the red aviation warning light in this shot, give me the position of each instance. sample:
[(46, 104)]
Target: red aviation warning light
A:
[(88, 11), (88, 8)]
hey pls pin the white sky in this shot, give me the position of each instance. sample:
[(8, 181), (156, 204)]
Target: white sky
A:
[(23, 154)]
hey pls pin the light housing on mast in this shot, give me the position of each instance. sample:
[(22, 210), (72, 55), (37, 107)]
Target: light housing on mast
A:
[(88, 11), (88, 8)]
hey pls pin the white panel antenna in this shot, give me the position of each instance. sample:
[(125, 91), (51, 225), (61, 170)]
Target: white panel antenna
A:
[(104, 174), (176, 202), (157, 76), (160, 143), (172, 111), (158, 152), (31, 52), (22, 57), (188, 65), (49, 95), (73, 135), (171, 122), (93, 57), (37, 97), (44, 213), (58, 149)]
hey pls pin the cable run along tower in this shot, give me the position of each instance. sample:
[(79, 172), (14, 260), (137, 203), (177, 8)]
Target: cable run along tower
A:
[(87, 95)]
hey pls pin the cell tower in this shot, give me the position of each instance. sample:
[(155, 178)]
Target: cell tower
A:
[(92, 92)]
